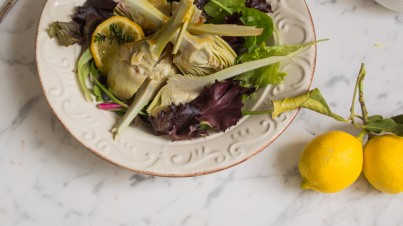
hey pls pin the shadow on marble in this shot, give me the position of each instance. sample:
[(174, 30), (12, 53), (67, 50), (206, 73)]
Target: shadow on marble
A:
[(286, 164)]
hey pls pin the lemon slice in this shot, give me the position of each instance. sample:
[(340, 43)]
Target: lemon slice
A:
[(107, 37)]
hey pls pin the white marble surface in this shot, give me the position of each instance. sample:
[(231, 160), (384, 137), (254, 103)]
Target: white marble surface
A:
[(47, 178)]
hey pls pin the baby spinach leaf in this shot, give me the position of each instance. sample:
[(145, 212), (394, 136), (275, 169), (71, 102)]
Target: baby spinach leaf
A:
[(256, 18), (220, 10)]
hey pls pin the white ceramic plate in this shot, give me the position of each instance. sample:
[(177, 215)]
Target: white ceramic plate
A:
[(396, 5), (141, 151)]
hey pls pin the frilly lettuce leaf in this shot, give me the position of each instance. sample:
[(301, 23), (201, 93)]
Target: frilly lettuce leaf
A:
[(67, 33), (270, 74)]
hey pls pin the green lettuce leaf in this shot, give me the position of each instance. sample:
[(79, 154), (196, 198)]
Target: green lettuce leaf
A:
[(67, 33), (219, 10), (256, 18), (83, 71)]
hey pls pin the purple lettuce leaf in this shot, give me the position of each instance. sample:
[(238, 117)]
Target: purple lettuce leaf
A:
[(218, 107), (179, 122), (236, 43), (90, 15), (260, 5), (198, 3)]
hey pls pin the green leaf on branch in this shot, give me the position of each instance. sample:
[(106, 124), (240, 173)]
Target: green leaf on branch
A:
[(312, 100), (398, 119), (377, 124), (375, 118)]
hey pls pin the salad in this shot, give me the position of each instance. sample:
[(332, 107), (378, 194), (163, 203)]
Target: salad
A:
[(184, 68)]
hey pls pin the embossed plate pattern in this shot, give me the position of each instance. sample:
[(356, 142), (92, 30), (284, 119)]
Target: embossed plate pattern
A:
[(141, 151)]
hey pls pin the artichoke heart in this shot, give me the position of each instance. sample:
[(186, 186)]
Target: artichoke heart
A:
[(133, 64), (203, 55)]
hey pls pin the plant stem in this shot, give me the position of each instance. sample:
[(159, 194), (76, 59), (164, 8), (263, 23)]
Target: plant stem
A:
[(360, 79), (257, 112), (352, 112), (361, 135), (364, 110)]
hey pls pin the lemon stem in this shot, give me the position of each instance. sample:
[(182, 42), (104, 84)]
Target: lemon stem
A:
[(361, 135), (305, 185)]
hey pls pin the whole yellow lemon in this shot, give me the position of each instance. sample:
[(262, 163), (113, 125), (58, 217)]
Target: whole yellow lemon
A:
[(383, 163), (331, 162)]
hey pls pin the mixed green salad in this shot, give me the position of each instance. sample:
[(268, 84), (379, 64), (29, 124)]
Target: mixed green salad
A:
[(184, 68)]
